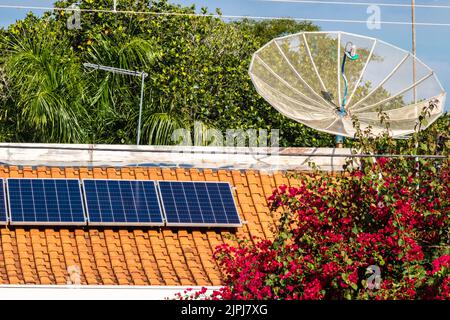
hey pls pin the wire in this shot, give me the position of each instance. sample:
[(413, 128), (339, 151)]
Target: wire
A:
[(346, 3), (226, 150), (154, 13), (115, 70)]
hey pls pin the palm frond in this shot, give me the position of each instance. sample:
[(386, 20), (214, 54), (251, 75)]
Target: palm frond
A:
[(158, 128)]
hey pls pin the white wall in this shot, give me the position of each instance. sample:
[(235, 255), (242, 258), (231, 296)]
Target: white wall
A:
[(271, 159), (33, 292)]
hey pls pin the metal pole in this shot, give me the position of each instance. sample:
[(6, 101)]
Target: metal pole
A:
[(350, 53), (140, 111), (115, 5), (339, 138), (141, 74), (414, 49)]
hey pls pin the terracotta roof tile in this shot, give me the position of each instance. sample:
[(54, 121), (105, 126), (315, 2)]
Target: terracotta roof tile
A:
[(136, 256)]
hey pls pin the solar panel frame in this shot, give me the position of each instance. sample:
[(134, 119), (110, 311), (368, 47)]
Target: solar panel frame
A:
[(201, 225), (131, 224), (46, 223), (5, 203)]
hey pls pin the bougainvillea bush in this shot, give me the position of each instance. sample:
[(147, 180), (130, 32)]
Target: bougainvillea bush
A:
[(335, 231), (379, 230)]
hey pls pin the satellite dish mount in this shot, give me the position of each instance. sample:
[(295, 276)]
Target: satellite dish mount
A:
[(350, 53), (319, 80)]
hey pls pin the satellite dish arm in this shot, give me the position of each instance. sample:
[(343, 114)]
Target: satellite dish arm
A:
[(344, 100), (350, 53)]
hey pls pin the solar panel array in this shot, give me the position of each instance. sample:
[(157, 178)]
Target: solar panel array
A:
[(198, 204), (3, 212), (45, 201), (133, 202), (117, 202)]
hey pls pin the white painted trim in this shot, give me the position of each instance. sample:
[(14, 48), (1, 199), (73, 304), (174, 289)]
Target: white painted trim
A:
[(93, 292), (215, 158)]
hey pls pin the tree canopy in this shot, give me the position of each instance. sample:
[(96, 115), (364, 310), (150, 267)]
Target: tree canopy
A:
[(197, 66), (197, 70)]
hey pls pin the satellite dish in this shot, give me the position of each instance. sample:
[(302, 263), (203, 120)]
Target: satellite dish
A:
[(322, 79)]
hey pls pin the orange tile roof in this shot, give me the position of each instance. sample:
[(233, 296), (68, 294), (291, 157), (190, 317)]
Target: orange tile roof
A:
[(133, 256)]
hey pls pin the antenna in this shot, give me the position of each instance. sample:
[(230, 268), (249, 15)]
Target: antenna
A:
[(297, 75), (141, 74)]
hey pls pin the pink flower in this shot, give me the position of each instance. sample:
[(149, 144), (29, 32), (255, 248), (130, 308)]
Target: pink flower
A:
[(354, 276), (382, 161), (293, 192), (441, 262), (404, 191), (415, 254)]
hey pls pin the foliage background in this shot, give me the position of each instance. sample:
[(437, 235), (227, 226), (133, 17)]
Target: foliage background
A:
[(198, 71), (331, 230), (334, 230), (197, 66)]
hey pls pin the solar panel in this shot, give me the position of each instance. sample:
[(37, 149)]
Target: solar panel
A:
[(3, 212), (45, 201), (202, 204), (122, 202)]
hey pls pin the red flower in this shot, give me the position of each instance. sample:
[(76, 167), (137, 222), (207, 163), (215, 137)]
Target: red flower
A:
[(293, 192), (354, 277), (441, 262), (382, 161), (415, 254), (333, 227), (404, 191)]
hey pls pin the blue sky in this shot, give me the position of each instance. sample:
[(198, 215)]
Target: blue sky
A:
[(433, 42)]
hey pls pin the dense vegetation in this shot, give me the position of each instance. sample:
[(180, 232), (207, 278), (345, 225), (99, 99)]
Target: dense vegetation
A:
[(197, 66), (335, 232), (381, 230), (392, 213)]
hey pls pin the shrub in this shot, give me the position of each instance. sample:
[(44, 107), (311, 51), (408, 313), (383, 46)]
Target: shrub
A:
[(380, 230), (332, 229)]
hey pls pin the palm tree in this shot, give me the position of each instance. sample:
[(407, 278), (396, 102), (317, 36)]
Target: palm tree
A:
[(115, 97), (46, 87)]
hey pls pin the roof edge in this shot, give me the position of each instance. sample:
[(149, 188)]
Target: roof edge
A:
[(92, 155), (94, 292)]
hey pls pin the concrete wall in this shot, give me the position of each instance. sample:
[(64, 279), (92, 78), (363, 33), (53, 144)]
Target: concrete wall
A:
[(270, 159)]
